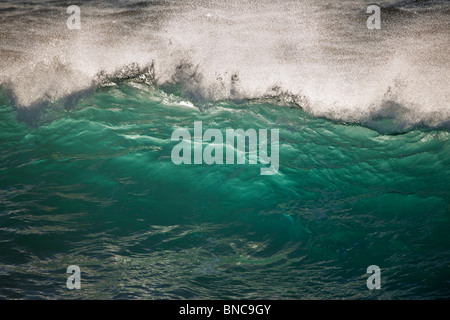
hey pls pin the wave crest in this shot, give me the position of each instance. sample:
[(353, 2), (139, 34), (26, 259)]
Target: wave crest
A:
[(312, 55)]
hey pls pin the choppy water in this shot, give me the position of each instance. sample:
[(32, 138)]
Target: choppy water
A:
[(86, 176)]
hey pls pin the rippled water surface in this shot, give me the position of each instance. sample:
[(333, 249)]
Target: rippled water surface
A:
[(86, 176)]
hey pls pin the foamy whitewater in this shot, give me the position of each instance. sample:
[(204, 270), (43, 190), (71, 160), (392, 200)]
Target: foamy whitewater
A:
[(319, 51), (86, 176)]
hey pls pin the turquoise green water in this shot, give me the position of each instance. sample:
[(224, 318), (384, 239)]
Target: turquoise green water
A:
[(94, 186)]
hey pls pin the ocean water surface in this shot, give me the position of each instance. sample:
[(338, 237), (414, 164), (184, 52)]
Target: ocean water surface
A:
[(87, 178)]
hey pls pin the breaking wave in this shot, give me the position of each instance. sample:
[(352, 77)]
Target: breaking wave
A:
[(315, 55)]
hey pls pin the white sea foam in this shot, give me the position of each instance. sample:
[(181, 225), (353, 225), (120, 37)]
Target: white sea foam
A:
[(320, 50)]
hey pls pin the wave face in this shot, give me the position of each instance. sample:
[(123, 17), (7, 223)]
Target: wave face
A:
[(316, 50), (86, 176), (96, 187)]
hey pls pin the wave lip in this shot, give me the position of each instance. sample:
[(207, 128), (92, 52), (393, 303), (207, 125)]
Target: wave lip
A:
[(318, 56)]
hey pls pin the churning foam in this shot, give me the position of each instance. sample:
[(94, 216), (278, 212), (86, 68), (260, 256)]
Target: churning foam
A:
[(215, 50)]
